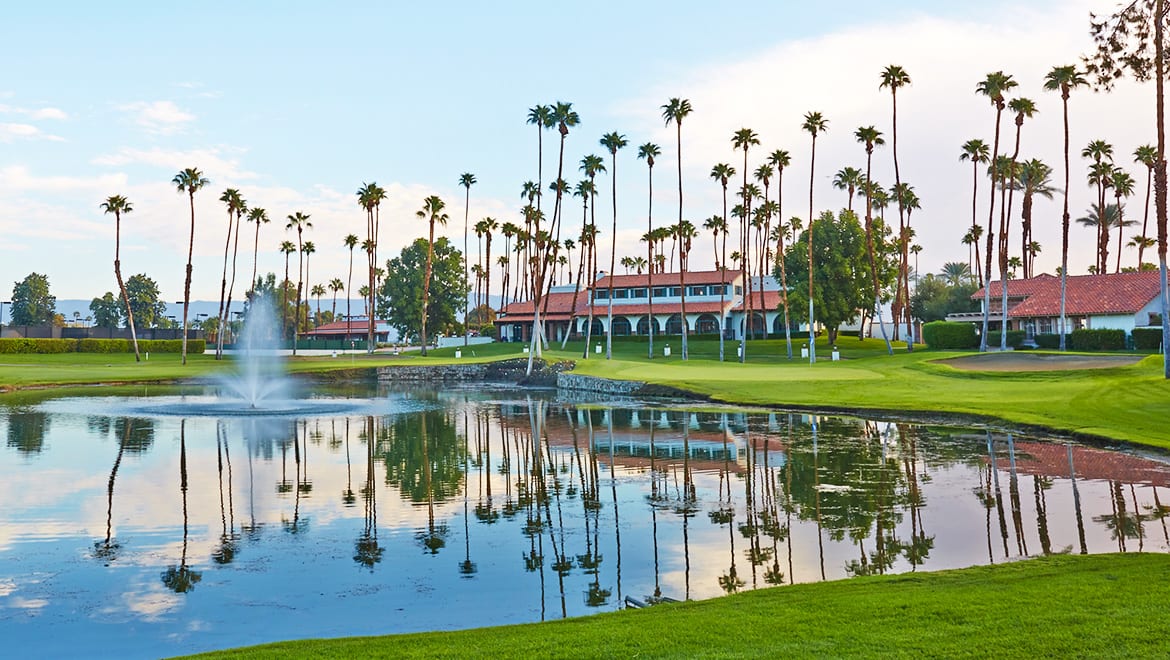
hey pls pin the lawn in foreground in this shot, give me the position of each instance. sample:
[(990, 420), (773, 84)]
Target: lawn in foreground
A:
[(1057, 606)]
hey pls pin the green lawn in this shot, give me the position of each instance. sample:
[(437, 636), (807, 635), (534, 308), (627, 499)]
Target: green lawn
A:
[(1058, 606)]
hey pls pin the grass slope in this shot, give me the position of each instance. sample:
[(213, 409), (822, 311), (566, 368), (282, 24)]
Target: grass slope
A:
[(1058, 606)]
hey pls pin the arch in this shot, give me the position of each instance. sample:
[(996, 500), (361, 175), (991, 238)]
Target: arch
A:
[(598, 328), (644, 326), (707, 324), (621, 326), (759, 327), (674, 324), (778, 324)]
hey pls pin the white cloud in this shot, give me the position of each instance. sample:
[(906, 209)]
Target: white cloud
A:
[(217, 163), (10, 132), (49, 113), (162, 117)]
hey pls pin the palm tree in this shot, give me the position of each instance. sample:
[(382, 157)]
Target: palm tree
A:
[(467, 179), (1122, 187), (364, 292), (871, 137), (722, 172), (685, 231), (117, 204), (1101, 153), (318, 290), (351, 241), (308, 250), (993, 87), (370, 197), (1064, 78), (780, 159), (335, 285), (848, 179), (300, 222), (649, 152), (488, 225), (895, 77), (1024, 108), (762, 222), (976, 151), (190, 180), (743, 139), (956, 273), (260, 217), (287, 248), (612, 142), (591, 166), (235, 207), (1034, 179), (542, 117), (814, 124), (675, 111), (432, 212), (1147, 155)]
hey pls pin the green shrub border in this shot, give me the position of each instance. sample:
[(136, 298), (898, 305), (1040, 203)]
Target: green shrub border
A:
[(55, 346), (949, 335)]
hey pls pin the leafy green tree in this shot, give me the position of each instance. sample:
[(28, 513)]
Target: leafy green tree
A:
[(934, 297), (143, 295), (840, 270), (402, 291), (32, 304), (106, 311)]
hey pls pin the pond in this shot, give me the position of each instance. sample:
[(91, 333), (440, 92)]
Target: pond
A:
[(150, 525)]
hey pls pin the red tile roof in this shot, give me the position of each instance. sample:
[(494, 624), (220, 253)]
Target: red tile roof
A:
[(1118, 293), (559, 306), (668, 279)]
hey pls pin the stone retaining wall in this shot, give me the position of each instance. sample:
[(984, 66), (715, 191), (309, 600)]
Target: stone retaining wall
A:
[(569, 381)]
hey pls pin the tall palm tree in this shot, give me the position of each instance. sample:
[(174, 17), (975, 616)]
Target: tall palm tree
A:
[(591, 166), (848, 179), (675, 110), (117, 204), (370, 197), (287, 248), (993, 86), (976, 151), (1065, 79), (612, 142), (489, 225), (956, 273), (260, 217), (235, 207), (318, 290), (1122, 187), (814, 124), (743, 139), (781, 159), (351, 241), (1147, 155), (563, 117), (467, 179), (335, 285), (542, 117), (722, 172), (300, 222), (895, 77), (189, 181), (432, 212), (685, 232), (762, 222), (1035, 179), (1100, 175), (649, 152), (308, 249), (871, 137), (1023, 108)]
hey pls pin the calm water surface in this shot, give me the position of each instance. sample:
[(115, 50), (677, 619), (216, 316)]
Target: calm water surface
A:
[(145, 526)]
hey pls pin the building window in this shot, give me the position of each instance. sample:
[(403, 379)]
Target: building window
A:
[(675, 291), (621, 294), (601, 294), (659, 292), (738, 290), (638, 293), (697, 291)]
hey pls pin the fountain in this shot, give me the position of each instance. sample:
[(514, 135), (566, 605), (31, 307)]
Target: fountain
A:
[(260, 379)]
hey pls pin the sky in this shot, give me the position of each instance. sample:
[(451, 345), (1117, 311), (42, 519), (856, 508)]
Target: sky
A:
[(297, 104)]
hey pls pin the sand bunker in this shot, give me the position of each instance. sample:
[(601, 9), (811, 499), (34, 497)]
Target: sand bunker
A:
[(1023, 361)]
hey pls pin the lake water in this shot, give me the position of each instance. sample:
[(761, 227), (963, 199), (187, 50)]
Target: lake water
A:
[(138, 526)]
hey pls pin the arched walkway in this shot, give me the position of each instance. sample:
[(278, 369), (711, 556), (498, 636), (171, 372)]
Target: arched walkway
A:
[(621, 326), (674, 325), (644, 326), (707, 324)]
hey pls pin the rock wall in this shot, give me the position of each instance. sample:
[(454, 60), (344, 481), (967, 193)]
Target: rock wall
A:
[(569, 381)]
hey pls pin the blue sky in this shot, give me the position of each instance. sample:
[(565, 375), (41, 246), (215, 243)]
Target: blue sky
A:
[(297, 104)]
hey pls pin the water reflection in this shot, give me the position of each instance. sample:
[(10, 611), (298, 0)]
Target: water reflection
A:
[(574, 506)]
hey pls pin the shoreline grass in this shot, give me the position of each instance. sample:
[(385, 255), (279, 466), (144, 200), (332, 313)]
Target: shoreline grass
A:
[(1056, 606)]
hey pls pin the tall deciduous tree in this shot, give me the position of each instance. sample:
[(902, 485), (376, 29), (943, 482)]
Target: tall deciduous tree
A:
[(32, 304), (842, 270), (189, 181), (117, 204), (402, 289)]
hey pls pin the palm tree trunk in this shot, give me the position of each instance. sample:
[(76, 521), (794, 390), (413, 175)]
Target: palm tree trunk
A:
[(1160, 177), (1146, 217), (812, 339), (902, 222), (1064, 223), (650, 260), (487, 276), (612, 255), (300, 283), (227, 310), (187, 283), (877, 292), (122, 286), (682, 285), (349, 294), (466, 210), (990, 233), (223, 288), (1120, 229)]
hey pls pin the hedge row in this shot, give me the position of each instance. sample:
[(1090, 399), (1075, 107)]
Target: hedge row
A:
[(1097, 340), (1147, 339), (1015, 338), (49, 346), (947, 335)]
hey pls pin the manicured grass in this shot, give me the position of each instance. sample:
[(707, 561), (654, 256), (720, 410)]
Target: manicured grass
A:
[(1058, 606)]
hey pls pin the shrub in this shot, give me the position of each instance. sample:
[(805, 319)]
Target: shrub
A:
[(1048, 340), (1097, 340), (949, 335), (43, 346), (1015, 338), (104, 346), (1147, 339), (194, 346)]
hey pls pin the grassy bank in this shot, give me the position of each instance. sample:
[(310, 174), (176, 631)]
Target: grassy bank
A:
[(1058, 606)]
